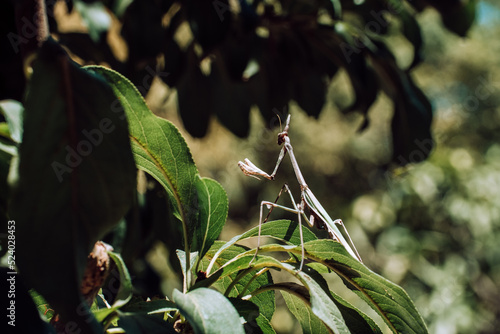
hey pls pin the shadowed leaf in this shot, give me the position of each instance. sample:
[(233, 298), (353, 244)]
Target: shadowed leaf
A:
[(77, 179)]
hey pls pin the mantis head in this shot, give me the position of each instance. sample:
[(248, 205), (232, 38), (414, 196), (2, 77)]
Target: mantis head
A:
[(284, 133)]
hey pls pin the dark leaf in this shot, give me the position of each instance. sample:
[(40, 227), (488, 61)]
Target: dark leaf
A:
[(411, 30), (77, 179), (275, 82), (236, 51), (194, 97), (250, 312), (343, 46), (412, 139), (213, 204), (89, 50), (209, 21), (175, 62), (310, 90), (138, 323), (231, 101), (142, 30), (22, 316), (458, 16), (12, 78)]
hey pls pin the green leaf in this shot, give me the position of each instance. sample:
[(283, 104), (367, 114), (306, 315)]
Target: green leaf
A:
[(248, 311), (356, 320), (41, 304), (264, 325), (181, 255), (4, 130), (158, 146), (160, 150), (77, 179), (308, 321), (208, 311), (255, 321), (13, 112), (124, 293), (389, 300), (8, 159), (323, 307), (125, 290), (213, 204)]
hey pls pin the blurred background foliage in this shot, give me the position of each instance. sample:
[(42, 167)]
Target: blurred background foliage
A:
[(432, 227)]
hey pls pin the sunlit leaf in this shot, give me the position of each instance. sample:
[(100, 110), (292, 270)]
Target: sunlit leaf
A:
[(159, 149)]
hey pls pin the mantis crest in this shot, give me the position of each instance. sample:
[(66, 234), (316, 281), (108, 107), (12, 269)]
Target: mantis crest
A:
[(308, 203)]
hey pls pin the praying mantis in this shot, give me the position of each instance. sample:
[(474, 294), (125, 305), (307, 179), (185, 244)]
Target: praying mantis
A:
[(318, 215)]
